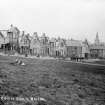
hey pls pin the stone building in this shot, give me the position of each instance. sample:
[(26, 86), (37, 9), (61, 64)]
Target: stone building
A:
[(24, 44), (74, 48), (52, 47), (13, 38), (85, 49), (44, 45), (39, 46), (97, 50), (35, 46), (77, 48), (60, 48), (3, 41)]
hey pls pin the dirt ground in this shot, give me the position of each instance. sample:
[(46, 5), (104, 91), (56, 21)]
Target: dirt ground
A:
[(59, 82)]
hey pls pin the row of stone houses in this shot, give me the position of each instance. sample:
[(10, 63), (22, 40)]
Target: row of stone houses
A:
[(17, 41)]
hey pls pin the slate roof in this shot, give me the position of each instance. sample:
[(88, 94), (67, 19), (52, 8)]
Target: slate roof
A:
[(97, 47), (1, 35), (74, 43), (2, 38), (14, 29)]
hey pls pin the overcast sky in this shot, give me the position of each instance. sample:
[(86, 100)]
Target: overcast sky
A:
[(78, 19)]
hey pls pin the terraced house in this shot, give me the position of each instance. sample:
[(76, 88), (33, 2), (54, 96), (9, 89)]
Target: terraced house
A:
[(24, 44), (52, 47), (60, 48), (44, 43), (35, 46), (39, 46), (10, 39), (13, 38), (85, 49), (76, 48), (56, 47), (3, 41)]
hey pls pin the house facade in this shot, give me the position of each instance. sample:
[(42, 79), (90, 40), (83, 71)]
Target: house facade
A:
[(44, 45), (39, 46), (85, 49), (35, 45), (60, 48), (52, 47), (4, 42), (24, 44), (97, 50), (74, 48), (12, 38)]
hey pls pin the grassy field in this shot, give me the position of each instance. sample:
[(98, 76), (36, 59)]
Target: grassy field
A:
[(59, 82)]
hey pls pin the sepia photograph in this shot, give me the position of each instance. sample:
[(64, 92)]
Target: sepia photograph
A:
[(52, 52)]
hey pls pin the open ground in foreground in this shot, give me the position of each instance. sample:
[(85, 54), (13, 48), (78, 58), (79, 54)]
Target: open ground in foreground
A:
[(59, 82)]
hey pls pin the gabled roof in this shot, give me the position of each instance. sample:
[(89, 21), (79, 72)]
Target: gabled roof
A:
[(2, 38), (97, 47), (34, 36), (1, 35), (53, 40), (74, 43), (14, 29)]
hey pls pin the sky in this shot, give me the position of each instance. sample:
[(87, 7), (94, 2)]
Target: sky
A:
[(76, 19)]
